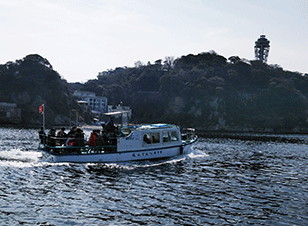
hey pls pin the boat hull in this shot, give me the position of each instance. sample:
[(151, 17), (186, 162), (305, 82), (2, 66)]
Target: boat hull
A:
[(115, 156)]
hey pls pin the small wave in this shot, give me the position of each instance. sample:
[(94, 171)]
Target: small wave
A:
[(160, 162), (20, 156), (197, 154), (13, 163), (132, 165), (196, 151)]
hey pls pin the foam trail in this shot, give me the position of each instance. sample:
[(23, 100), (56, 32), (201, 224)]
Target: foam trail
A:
[(196, 152), (18, 155)]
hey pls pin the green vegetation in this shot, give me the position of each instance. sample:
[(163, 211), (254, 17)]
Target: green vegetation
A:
[(206, 91), (31, 82), (211, 92)]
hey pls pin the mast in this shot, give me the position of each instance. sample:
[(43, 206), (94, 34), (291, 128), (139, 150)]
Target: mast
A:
[(42, 112)]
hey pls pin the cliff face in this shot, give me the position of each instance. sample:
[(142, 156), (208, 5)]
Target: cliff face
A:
[(31, 82)]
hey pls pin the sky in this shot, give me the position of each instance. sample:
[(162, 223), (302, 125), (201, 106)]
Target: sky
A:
[(81, 38)]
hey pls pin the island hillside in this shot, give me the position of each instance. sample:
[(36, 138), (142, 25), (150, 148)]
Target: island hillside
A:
[(206, 91)]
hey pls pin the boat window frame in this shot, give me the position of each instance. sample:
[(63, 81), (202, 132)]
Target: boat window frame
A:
[(166, 139), (174, 134), (150, 136), (170, 135)]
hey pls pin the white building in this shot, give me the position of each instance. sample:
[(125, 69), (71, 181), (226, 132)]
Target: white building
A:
[(93, 102)]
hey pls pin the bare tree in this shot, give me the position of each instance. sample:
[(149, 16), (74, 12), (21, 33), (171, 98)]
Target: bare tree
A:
[(138, 64), (169, 63)]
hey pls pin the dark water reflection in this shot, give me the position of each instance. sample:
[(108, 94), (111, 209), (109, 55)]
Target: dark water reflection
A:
[(219, 182)]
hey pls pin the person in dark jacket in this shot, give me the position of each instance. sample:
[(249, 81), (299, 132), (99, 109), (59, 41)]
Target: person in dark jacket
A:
[(62, 136), (110, 125), (99, 138), (42, 135), (79, 138), (72, 132), (51, 139)]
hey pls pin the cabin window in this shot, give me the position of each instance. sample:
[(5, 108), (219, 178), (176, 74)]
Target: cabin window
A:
[(174, 136), (170, 136), (151, 138), (155, 138), (147, 138), (166, 137)]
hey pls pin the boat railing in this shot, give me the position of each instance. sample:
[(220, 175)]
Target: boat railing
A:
[(70, 150), (188, 136), (188, 133)]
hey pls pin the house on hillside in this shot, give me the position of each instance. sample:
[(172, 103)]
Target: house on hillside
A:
[(97, 104), (9, 113)]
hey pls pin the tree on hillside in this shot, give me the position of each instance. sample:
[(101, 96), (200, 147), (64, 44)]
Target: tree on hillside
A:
[(209, 91), (31, 82)]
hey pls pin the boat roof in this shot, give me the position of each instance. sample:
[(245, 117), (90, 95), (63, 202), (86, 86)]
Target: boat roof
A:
[(154, 126), (116, 112)]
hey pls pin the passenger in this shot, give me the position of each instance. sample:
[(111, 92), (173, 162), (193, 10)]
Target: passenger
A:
[(105, 137), (79, 138), (146, 139), (51, 139), (104, 127), (99, 139), (154, 139), (69, 142), (62, 136), (42, 135), (110, 125), (72, 132), (113, 139), (92, 139)]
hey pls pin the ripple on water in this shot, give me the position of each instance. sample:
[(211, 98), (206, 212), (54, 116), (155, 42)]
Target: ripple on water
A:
[(218, 182)]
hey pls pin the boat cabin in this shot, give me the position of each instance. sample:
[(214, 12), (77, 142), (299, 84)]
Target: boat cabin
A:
[(149, 137)]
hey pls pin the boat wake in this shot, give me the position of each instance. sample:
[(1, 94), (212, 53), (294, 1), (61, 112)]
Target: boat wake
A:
[(20, 156), (194, 152), (23, 159)]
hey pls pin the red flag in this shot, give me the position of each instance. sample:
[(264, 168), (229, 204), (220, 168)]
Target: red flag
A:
[(41, 109)]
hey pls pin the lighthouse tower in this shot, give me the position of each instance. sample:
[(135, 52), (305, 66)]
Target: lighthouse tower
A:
[(262, 48)]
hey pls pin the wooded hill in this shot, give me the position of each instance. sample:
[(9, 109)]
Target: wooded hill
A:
[(211, 92), (206, 91), (31, 82)]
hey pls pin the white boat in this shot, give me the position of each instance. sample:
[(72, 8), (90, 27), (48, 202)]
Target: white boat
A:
[(144, 142)]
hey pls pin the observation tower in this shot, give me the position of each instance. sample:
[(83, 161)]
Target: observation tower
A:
[(262, 48)]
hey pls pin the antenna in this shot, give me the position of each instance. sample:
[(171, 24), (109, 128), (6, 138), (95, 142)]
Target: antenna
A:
[(262, 49)]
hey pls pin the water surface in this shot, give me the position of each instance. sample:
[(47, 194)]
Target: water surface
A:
[(218, 182)]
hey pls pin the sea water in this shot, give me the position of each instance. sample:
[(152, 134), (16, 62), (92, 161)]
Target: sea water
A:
[(217, 182)]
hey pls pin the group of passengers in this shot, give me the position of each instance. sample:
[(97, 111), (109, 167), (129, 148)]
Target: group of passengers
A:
[(98, 138), (75, 137)]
